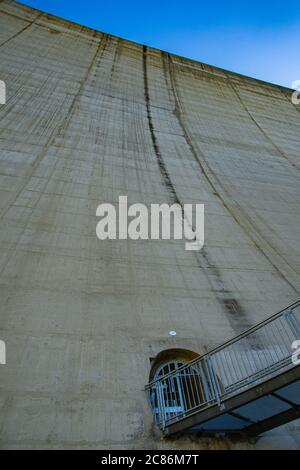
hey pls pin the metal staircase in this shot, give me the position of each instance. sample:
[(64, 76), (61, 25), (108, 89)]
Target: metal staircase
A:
[(248, 385)]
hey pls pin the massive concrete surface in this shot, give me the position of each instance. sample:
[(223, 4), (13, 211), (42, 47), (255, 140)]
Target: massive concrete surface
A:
[(90, 117)]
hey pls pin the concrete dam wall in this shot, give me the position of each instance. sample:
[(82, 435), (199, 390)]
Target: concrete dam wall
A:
[(89, 117)]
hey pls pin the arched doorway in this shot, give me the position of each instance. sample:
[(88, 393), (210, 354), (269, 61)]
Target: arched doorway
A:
[(176, 393)]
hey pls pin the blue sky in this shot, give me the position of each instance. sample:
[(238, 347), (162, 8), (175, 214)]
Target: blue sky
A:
[(257, 38)]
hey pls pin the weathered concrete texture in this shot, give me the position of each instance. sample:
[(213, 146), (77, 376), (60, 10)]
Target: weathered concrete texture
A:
[(90, 117)]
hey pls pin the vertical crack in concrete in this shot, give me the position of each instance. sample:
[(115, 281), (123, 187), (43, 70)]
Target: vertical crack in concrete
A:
[(116, 57), (262, 131), (237, 212), (234, 311), (163, 170), (236, 316), (102, 44)]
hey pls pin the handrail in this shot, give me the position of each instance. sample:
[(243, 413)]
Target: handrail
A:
[(245, 360), (232, 340)]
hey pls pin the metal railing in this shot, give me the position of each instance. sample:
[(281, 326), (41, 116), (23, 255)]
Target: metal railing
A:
[(243, 362)]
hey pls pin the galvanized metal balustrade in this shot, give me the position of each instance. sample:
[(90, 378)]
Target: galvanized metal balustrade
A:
[(247, 385)]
